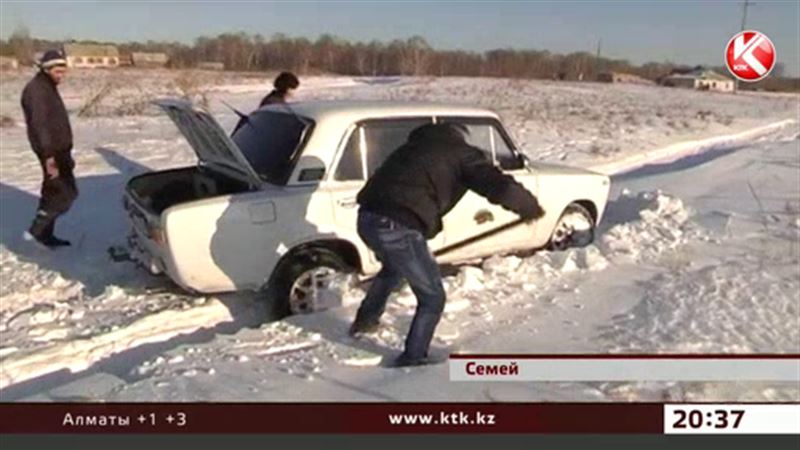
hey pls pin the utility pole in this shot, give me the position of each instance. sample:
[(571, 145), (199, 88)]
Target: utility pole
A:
[(745, 5), (597, 57), (744, 14)]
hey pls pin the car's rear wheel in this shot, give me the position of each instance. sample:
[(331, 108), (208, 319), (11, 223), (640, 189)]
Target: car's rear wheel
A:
[(308, 281), (575, 228)]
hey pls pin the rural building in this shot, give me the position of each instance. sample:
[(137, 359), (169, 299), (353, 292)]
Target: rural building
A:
[(125, 60), (700, 79), (621, 77), (211, 65), (91, 55), (8, 62), (149, 60)]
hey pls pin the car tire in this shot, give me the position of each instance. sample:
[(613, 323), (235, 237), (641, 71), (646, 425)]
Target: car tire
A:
[(298, 271), (567, 234)]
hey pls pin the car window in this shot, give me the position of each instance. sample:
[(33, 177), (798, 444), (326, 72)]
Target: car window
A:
[(350, 167), (384, 136), (271, 142), (486, 134), (480, 135), (502, 152)]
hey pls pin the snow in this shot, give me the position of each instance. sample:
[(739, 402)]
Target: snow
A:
[(698, 252), (660, 222)]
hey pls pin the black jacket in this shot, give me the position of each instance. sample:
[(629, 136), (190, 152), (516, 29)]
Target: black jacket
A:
[(272, 98), (46, 117), (425, 178)]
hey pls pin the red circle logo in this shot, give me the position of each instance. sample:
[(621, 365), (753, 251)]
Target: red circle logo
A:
[(750, 56)]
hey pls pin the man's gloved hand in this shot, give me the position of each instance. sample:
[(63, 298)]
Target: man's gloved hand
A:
[(539, 212), (534, 211)]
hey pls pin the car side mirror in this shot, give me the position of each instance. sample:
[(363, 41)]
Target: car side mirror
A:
[(312, 174), (526, 161)]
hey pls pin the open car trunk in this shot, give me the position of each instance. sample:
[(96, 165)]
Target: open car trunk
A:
[(222, 168), (157, 191)]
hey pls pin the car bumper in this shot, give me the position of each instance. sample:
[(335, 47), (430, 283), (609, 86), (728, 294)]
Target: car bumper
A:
[(141, 252)]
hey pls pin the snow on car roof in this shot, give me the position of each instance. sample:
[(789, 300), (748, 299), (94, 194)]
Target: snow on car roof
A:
[(355, 110)]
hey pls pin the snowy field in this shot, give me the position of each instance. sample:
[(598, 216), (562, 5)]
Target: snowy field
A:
[(696, 255)]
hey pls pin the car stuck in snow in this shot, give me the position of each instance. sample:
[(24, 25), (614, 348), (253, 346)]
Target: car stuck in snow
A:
[(273, 207)]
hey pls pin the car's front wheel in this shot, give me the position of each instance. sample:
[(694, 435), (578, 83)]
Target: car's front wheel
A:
[(308, 281), (575, 228)]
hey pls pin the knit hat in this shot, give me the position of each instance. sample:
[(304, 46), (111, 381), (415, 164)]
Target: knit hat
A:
[(52, 58)]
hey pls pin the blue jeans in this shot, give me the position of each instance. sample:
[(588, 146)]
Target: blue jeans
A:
[(405, 255)]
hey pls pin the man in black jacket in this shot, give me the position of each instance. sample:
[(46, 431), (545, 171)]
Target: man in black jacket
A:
[(50, 136), (402, 206)]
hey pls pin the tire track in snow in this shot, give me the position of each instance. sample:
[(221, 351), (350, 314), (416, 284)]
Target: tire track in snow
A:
[(81, 354)]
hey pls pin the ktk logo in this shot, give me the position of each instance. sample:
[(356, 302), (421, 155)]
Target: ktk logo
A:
[(750, 56)]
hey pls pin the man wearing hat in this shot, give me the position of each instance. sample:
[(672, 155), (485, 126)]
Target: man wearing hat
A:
[(50, 135)]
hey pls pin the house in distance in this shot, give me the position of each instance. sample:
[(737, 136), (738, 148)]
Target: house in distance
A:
[(700, 79), (92, 56), (149, 59), (622, 77)]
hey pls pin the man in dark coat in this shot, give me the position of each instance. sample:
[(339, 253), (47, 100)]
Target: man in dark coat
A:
[(402, 206), (284, 86), (50, 136)]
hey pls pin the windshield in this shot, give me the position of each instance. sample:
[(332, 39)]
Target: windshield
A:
[(271, 142)]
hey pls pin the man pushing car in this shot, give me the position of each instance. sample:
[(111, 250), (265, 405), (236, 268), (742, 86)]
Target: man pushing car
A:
[(402, 206)]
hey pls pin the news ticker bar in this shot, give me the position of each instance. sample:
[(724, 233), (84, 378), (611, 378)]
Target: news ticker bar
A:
[(399, 418), (774, 368)]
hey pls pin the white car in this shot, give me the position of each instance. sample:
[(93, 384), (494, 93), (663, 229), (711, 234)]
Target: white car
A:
[(274, 207)]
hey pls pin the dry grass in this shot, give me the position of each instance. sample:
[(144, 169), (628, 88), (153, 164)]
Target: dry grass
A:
[(117, 98), (134, 104), (191, 86), (92, 106), (125, 96)]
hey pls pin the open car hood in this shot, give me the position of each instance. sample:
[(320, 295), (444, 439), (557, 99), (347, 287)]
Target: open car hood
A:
[(209, 140)]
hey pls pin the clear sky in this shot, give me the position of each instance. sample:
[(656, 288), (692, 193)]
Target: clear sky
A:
[(679, 31)]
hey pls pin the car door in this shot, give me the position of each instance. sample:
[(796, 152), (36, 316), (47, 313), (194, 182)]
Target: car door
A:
[(364, 149), (346, 179), (469, 228)]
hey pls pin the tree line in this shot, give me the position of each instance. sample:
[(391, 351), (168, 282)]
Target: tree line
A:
[(331, 54)]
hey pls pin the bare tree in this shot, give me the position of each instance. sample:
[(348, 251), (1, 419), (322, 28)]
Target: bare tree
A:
[(412, 56), (417, 52)]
